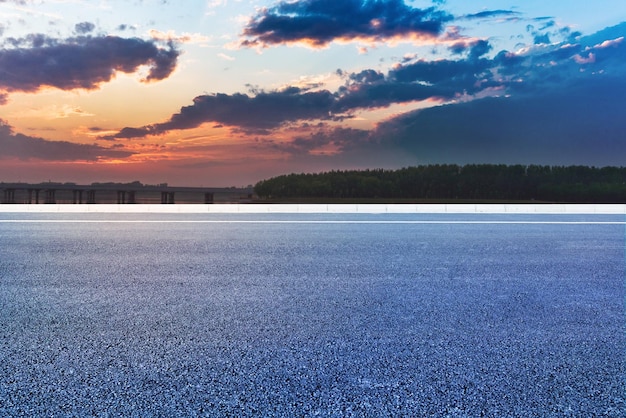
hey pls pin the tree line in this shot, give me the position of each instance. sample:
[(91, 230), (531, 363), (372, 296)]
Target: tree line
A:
[(450, 181)]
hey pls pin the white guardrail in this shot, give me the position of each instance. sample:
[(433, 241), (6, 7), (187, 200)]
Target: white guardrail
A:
[(321, 208)]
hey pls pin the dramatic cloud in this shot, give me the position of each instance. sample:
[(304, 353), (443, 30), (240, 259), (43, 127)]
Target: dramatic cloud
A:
[(574, 124), (370, 93), (536, 70), (326, 142), (320, 22), (15, 145), (562, 108), (367, 89), (454, 77), (264, 111), (476, 48), (82, 62), (530, 70)]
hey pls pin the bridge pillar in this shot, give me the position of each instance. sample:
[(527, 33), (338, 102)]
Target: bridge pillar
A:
[(9, 196), (167, 197), (208, 198), (50, 196), (77, 196), (91, 197), (121, 196), (131, 197)]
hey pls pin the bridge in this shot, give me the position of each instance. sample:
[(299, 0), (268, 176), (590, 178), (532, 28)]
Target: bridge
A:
[(52, 193)]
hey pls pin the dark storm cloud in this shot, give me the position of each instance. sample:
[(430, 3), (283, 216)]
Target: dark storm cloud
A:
[(479, 48), (367, 76), (386, 92), (457, 48), (549, 66), (82, 62), (538, 70), (574, 124), (578, 123), (341, 139), (606, 34), (367, 89), (320, 22), (16, 145), (542, 38), (262, 112), (442, 71), (558, 105), (266, 111), (131, 133), (372, 89), (548, 32), (448, 78)]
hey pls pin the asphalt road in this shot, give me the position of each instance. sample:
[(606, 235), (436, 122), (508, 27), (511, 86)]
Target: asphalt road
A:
[(303, 315)]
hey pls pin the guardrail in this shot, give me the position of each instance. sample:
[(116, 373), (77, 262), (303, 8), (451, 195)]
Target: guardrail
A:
[(120, 194), (328, 208)]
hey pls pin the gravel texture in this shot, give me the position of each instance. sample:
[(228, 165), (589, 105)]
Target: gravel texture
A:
[(364, 320)]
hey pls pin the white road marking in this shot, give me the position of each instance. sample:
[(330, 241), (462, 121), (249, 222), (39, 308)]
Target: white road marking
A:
[(339, 222)]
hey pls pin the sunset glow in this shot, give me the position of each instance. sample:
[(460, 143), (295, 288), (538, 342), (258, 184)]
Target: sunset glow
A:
[(228, 93)]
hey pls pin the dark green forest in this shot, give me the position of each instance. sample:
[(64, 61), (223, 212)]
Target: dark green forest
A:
[(576, 184)]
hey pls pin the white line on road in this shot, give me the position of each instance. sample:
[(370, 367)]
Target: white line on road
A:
[(379, 222)]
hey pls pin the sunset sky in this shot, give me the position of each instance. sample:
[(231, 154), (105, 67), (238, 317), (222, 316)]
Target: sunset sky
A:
[(229, 92)]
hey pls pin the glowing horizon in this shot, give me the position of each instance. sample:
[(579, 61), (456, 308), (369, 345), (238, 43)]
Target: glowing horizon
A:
[(230, 93)]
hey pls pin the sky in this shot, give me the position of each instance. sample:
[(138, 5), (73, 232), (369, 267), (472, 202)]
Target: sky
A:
[(231, 92)]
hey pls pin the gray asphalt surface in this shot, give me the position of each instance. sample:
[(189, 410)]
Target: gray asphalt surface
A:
[(239, 318)]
